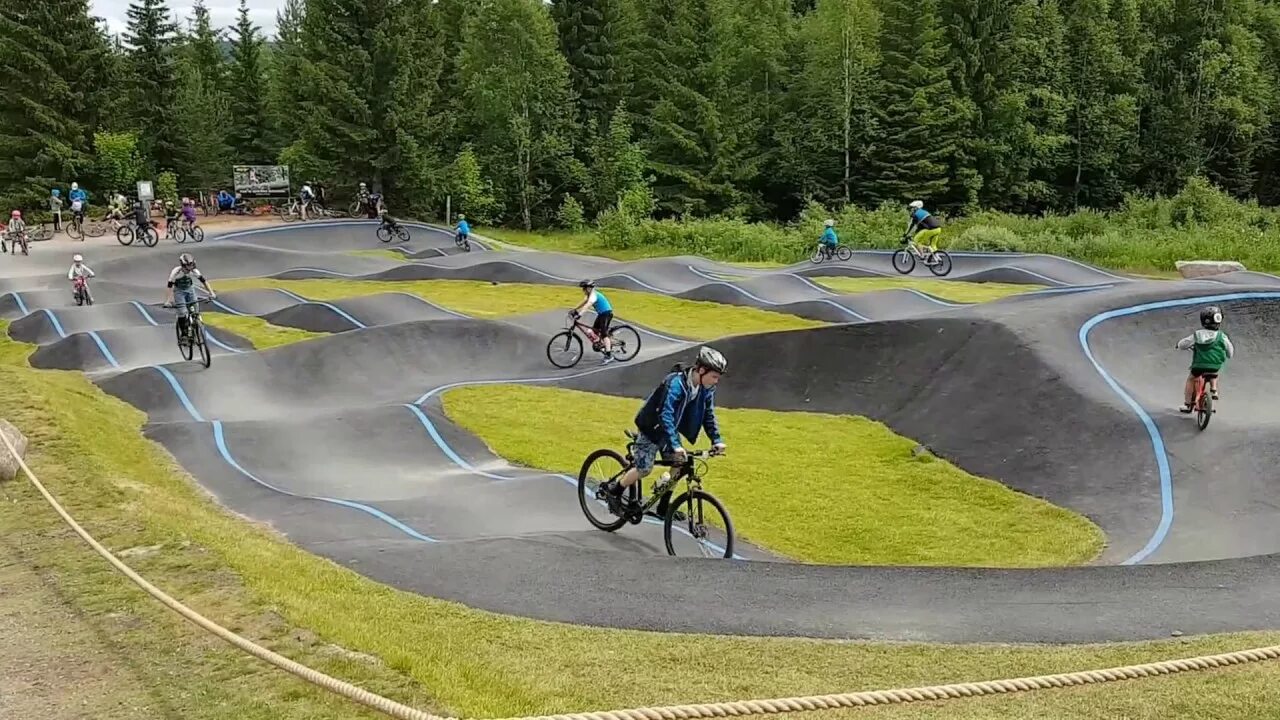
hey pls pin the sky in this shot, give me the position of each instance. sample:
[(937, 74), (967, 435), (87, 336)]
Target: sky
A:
[(221, 12)]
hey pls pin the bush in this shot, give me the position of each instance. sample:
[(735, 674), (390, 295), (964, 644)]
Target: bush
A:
[(570, 214), (989, 238), (167, 186), (1200, 202)]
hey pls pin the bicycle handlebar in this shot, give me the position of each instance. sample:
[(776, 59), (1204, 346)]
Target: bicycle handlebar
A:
[(197, 302)]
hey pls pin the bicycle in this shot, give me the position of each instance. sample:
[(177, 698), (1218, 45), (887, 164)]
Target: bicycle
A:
[(634, 505), (462, 241), (386, 230), (15, 239), (195, 336), (1203, 402), (80, 291), (127, 233), (192, 231), (823, 253), (625, 343), (904, 259), (173, 230)]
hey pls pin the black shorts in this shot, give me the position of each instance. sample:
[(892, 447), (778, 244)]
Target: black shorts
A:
[(1208, 374), (601, 325)]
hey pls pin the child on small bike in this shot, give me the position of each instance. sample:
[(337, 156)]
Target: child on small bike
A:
[(604, 316), (829, 241), (16, 233), (79, 270), (462, 233), (1210, 349)]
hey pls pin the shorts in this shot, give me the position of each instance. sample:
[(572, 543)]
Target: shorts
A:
[(1209, 373), (182, 298), (645, 452), (601, 325)]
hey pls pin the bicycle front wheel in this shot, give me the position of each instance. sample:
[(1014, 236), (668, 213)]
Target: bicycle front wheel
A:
[(206, 358), (600, 467), (124, 235), (626, 342), (197, 233), (817, 256), (706, 523), (941, 263), (183, 347), (403, 234), (904, 262), (75, 232), (564, 349), (384, 233)]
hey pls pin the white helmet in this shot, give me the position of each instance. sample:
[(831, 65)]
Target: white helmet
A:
[(77, 258), (830, 223), (75, 186), (711, 359), (916, 204)]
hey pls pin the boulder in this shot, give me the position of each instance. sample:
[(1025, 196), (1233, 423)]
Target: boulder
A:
[(8, 465), (1202, 268)]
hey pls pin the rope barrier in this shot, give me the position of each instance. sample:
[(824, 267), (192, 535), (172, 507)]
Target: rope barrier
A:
[(673, 712)]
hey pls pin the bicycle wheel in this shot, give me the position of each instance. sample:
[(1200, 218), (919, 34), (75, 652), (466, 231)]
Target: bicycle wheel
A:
[(43, 232), (287, 214), (564, 350), (124, 235), (197, 233), (626, 342), (183, 347), (1204, 411), (844, 253), (904, 262), (942, 263), (88, 296), (74, 231), (705, 519), (206, 358), (95, 228), (402, 233), (79, 297), (817, 256), (150, 237), (600, 466), (384, 233), (177, 233)]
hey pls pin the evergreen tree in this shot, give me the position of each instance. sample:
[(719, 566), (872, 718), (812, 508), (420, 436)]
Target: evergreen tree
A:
[(250, 135), (616, 165), (917, 151), (591, 34), (203, 106), (151, 38), (52, 62), (286, 88), (516, 85)]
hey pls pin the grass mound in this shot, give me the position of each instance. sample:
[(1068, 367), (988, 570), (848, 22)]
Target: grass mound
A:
[(694, 319), (962, 292), (261, 333), (855, 495)]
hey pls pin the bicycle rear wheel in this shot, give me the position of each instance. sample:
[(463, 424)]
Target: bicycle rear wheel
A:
[(626, 342), (844, 253), (564, 350), (599, 467), (942, 263), (150, 237), (706, 522), (1204, 410), (95, 228)]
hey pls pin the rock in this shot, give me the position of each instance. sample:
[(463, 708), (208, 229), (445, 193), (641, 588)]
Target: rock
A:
[(8, 465), (1203, 268)]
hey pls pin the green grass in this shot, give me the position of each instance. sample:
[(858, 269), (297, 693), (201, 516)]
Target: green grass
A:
[(439, 655), (855, 495), (588, 242), (261, 333), (689, 318), (965, 292), (381, 254)]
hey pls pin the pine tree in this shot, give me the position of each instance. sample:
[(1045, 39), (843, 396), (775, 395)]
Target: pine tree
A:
[(250, 135), (616, 165), (286, 87), (917, 151), (203, 106), (52, 62), (151, 38), (591, 34), (516, 85)]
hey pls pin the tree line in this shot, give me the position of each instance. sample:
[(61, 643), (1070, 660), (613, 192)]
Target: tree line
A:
[(531, 113)]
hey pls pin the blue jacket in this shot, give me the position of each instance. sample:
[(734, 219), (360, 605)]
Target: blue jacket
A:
[(667, 413), (829, 237)]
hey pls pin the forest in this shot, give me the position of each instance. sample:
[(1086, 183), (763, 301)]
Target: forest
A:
[(533, 114)]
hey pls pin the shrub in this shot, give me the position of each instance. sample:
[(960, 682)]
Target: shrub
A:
[(167, 186), (988, 238), (570, 215)]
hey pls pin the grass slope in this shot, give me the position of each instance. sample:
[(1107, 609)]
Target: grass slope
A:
[(689, 318), (963, 292), (261, 333), (88, 448), (855, 495)]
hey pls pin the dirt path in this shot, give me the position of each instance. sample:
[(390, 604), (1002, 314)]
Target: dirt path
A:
[(54, 664)]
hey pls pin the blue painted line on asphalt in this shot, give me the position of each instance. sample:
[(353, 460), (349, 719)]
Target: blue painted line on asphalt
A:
[(22, 306), (143, 309), (221, 344), (57, 326), (180, 392), (1157, 440), (228, 308), (759, 299), (102, 345), (220, 440), (446, 449)]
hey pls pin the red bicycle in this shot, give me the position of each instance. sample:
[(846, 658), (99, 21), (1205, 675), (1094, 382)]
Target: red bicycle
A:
[(565, 348), (1203, 403), (81, 293)]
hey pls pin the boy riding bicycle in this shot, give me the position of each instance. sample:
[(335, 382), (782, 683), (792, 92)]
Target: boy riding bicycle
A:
[(1210, 349), (604, 316), (683, 404), (829, 241), (182, 291)]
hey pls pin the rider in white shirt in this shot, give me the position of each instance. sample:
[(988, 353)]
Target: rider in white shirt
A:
[(78, 268)]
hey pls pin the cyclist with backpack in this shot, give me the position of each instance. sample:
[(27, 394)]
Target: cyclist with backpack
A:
[(684, 403)]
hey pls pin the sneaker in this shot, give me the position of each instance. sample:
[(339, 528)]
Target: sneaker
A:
[(608, 358), (1185, 409)]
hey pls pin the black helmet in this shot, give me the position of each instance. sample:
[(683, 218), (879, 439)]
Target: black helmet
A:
[(711, 359), (587, 284), (1211, 317)]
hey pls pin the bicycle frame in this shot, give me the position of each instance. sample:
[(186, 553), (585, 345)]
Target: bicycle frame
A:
[(686, 471)]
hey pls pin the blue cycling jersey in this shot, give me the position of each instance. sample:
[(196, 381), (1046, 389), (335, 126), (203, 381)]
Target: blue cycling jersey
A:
[(829, 237), (463, 227), (919, 215), (600, 303)]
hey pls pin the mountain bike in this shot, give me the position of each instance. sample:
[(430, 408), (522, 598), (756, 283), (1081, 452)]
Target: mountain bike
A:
[(386, 230), (130, 232), (195, 336), (1203, 403), (564, 350), (688, 510), (189, 231), (823, 253), (904, 259), (80, 291)]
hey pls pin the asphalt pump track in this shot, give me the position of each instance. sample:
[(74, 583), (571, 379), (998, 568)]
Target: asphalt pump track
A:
[(1068, 394)]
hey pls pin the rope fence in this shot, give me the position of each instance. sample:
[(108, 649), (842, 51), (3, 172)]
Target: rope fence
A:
[(735, 708)]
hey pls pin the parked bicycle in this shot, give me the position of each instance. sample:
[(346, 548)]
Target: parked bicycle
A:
[(80, 290), (564, 350), (695, 510), (195, 336), (904, 259)]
